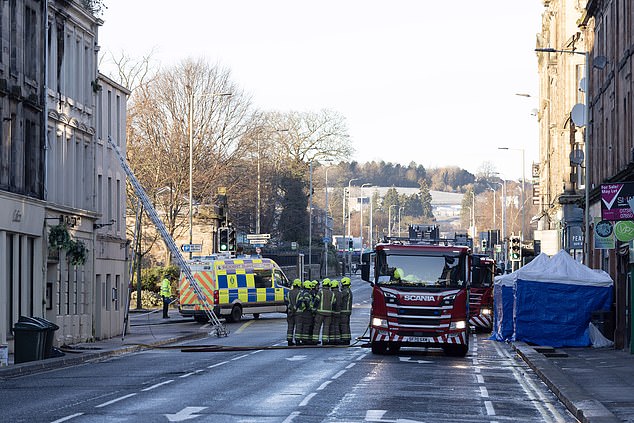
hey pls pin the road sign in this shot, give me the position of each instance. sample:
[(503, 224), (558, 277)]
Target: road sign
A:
[(258, 236), (191, 248), (259, 241)]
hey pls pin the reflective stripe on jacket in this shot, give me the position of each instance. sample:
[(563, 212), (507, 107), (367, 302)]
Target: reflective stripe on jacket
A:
[(291, 299), (325, 301), (166, 288)]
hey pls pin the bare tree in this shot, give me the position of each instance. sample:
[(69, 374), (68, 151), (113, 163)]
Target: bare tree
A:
[(192, 95)]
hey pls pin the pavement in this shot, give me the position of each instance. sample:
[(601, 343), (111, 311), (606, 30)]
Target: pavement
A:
[(595, 384)]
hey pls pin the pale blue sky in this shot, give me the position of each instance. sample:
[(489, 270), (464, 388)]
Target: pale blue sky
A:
[(418, 80)]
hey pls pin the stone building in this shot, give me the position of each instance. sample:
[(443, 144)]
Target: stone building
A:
[(604, 29), (59, 180)]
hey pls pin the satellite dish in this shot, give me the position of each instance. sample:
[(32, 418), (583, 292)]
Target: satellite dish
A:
[(576, 157), (583, 85), (578, 114)]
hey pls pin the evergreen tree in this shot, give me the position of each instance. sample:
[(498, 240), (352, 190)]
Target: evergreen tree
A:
[(425, 199)]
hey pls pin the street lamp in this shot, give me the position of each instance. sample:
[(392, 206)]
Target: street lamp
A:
[(326, 237), (361, 214), (523, 186), (399, 220), (191, 156), (389, 218), (599, 63), (349, 188)]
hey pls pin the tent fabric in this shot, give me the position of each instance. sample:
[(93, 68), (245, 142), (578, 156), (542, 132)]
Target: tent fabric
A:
[(562, 268), (503, 300), (557, 314), (554, 302)]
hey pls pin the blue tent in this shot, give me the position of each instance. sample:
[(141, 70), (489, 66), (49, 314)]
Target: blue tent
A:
[(554, 302), (503, 300)]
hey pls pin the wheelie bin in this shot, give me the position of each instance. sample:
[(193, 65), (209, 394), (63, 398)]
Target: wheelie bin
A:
[(29, 341), (50, 333)]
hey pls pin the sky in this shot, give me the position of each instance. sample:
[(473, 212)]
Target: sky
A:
[(433, 82)]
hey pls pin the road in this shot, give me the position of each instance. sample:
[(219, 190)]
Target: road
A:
[(322, 384)]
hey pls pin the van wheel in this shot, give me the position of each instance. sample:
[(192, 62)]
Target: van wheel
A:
[(256, 315), (236, 313)]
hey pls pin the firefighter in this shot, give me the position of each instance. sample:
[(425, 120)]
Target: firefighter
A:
[(292, 315), (166, 293), (346, 311), (323, 315), (305, 309), (335, 335), (314, 290)]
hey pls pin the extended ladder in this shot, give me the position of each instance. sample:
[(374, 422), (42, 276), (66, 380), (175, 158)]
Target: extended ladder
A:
[(218, 327)]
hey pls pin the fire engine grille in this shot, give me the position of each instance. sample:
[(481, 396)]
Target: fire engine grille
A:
[(418, 322), (419, 316)]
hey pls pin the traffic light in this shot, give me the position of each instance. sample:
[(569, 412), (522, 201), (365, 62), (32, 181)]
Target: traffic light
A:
[(350, 245), (483, 244), (232, 242), (516, 249), (223, 239)]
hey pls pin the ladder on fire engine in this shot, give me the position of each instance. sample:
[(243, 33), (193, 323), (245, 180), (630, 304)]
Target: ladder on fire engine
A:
[(217, 326)]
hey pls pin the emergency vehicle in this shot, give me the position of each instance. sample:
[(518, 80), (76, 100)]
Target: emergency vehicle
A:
[(420, 294), (481, 293), (234, 287)]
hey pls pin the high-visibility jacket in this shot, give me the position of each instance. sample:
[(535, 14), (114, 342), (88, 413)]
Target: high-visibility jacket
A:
[(166, 288), (305, 300), (325, 301), (291, 300), (346, 300)]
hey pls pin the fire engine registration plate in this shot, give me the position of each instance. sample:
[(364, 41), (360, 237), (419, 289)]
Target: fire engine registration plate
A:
[(417, 339)]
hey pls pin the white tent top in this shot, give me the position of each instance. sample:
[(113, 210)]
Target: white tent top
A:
[(509, 279), (562, 268)]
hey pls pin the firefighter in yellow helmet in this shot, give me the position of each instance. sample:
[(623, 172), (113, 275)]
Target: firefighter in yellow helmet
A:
[(305, 308), (346, 311), (292, 315), (324, 302), (335, 335)]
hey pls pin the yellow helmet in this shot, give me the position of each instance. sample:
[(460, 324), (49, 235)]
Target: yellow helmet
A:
[(307, 284), (314, 284), (398, 273), (297, 282), (325, 282), (334, 283), (345, 281)]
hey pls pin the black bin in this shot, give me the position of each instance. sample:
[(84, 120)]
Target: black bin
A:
[(50, 333), (30, 340)]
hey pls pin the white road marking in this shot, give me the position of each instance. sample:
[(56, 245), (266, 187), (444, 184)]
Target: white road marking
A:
[(239, 357), (483, 392), (291, 416), (351, 365), (339, 373), (374, 415), (115, 400), (217, 364), (149, 388), (323, 385), (489, 406), (185, 414), (480, 379), (72, 416), (307, 399), (186, 375)]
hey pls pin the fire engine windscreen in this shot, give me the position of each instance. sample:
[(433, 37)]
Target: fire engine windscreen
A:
[(482, 277), (421, 270)]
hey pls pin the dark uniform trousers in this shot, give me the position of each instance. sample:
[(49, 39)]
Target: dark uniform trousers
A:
[(344, 319)]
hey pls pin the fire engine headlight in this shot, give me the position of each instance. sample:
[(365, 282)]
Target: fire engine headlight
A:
[(448, 300), (486, 311), (461, 324), (381, 323), (389, 297)]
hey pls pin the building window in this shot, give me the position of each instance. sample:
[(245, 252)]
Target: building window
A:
[(31, 32)]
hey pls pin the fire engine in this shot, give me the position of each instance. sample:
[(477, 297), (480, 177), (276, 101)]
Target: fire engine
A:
[(481, 293), (420, 294)]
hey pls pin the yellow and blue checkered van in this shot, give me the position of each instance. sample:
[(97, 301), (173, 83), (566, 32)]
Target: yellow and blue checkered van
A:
[(234, 287)]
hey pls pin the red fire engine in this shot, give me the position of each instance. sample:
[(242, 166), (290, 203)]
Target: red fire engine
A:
[(481, 293), (420, 292)]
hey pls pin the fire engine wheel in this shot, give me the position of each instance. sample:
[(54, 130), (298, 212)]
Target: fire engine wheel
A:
[(256, 315), (393, 348), (236, 313), (379, 347), (456, 350)]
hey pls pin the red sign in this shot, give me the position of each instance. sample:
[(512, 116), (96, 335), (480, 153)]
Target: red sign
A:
[(615, 201)]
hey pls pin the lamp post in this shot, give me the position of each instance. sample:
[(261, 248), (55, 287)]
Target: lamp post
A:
[(600, 64), (349, 188), (310, 220), (361, 214), (326, 237), (523, 186), (389, 218), (399, 220), (191, 156)]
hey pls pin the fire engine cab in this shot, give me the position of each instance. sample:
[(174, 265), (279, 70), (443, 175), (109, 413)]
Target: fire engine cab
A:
[(420, 294), (481, 293)]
